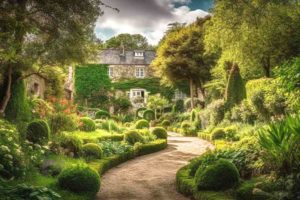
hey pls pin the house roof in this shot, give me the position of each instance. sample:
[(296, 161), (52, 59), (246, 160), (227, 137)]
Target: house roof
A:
[(116, 57)]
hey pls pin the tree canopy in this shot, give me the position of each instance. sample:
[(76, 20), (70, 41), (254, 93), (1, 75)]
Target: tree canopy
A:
[(128, 41), (255, 34), (37, 33), (181, 56)]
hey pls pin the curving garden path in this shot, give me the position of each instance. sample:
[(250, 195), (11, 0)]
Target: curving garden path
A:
[(151, 177)]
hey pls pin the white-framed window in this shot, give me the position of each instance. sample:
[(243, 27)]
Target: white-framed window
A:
[(111, 72), (139, 54), (137, 93), (139, 72)]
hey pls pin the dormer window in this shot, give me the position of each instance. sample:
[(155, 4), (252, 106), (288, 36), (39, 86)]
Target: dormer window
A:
[(139, 54)]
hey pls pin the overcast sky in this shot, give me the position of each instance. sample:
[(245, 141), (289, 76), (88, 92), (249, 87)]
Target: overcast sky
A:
[(148, 17)]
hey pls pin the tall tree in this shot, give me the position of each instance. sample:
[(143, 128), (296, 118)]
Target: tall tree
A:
[(128, 41), (181, 56), (35, 33), (255, 34)]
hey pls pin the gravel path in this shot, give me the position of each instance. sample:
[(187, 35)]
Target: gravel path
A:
[(151, 177)]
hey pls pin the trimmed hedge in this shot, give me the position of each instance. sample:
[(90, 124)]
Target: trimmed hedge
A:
[(218, 176), (140, 124), (38, 132), (79, 178), (105, 164), (185, 185), (102, 114), (159, 132), (92, 150), (166, 123), (133, 137), (139, 112), (87, 125), (217, 134), (71, 143), (149, 115), (154, 146)]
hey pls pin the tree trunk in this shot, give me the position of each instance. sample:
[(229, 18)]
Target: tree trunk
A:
[(7, 94), (192, 93), (267, 66)]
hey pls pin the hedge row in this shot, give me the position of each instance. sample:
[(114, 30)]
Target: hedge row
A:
[(185, 185), (115, 138), (105, 164), (151, 147)]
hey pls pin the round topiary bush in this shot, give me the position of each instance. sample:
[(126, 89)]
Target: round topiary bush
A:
[(218, 176), (92, 150), (139, 112), (102, 114), (185, 125), (38, 132), (133, 137), (87, 124), (160, 132), (140, 124), (79, 178), (71, 144), (217, 134), (149, 115), (166, 123)]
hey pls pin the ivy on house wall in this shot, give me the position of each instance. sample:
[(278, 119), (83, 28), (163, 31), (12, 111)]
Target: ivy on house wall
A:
[(152, 85), (92, 84)]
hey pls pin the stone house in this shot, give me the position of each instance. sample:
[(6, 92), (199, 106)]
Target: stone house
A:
[(134, 64), (36, 85)]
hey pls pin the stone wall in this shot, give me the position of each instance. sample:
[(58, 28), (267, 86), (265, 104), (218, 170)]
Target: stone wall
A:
[(123, 72)]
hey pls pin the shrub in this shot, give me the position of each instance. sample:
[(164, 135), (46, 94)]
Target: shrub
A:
[(217, 134), (38, 132), (166, 123), (87, 124), (179, 106), (61, 122), (92, 150), (71, 144), (111, 148), (267, 97), (235, 90), (185, 125), (160, 132), (139, 112), (121, 104), (11, 155), (140, 124), (79, 178), (23, 191), (151, 147), (102, 114), (218, 176), (110, 126), (213, 114), (149, 115), (281, 141), (133, 137), (243, 113)]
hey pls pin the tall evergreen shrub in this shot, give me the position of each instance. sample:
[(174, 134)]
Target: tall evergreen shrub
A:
[(235, 90)]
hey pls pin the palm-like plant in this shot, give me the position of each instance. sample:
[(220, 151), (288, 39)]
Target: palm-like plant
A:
[(280, 141)]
